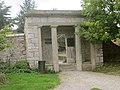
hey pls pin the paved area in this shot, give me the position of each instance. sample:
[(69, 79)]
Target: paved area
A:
[(76, 80)]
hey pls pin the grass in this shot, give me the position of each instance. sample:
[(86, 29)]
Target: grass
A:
[(95, 89), (109, 69), (30, 81)]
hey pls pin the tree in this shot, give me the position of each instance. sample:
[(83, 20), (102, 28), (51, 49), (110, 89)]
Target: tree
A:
[(4, 15), (5, 25), (4, 42), (27, 5), (103, 20)]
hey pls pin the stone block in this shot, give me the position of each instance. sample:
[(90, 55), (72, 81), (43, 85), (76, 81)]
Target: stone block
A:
[(31, 45), (31, 35), (33, 31), (29, 20), (31, 54), (77, 19), (34, 40), (49, 67), (43, 19), (35, 49), (32, 59), (99, 55), (36, 20), (36, 54), (36, 44), (101, 59)]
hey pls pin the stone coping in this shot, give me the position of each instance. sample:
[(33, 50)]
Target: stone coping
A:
[(15, 35), (53, 13)]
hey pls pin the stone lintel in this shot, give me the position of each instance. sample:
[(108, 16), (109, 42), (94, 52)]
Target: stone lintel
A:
[(53, 26)]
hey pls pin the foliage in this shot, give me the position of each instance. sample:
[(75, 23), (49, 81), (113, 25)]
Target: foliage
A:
[(5, 67), (19, 67), (4, 42), (49, 71), (103, 20), (27, 6), (22, 64), (30, 81), (4, 15), (113, 69), (61, 42), (2, 78), (95, 89)]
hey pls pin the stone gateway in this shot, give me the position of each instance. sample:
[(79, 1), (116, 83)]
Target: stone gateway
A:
[(50, 36)]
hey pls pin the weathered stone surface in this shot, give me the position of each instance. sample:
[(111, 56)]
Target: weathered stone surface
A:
[(17, 51), (35, 47), (40, 46)]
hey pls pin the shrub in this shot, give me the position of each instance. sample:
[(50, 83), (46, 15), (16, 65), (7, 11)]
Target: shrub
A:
[(2, 78), (95, 89), (5, 67), (49, 71), (23, 64)]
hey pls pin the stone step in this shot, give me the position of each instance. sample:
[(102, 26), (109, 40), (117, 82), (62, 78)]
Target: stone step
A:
[(67, 67)]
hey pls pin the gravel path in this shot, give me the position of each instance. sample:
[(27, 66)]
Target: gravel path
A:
[(76, 80)]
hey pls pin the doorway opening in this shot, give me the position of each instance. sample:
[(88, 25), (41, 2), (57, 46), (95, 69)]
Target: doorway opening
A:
[(62, 56)]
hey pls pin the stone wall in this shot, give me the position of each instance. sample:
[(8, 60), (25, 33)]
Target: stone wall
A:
[(88, 60), (85, 50), (17, 51), (99, 54)]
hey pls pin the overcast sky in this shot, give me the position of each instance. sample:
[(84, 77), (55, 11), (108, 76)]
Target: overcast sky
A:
[(46, 5)]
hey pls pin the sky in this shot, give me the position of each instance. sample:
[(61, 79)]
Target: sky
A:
[(45, 5)]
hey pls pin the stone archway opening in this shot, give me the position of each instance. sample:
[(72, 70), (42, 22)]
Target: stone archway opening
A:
[(66, 47), (62, 55)]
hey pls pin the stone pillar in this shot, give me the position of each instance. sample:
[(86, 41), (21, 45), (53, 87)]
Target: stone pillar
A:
[(55, 48), (78, 51), (40, 43), (32, 47), (66, 47), (92, 53)]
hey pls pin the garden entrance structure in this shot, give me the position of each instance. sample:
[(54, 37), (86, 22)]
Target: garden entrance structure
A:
[(42, 30)]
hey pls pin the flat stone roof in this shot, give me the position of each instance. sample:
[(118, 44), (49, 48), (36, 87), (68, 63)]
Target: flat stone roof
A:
[(54, 13)]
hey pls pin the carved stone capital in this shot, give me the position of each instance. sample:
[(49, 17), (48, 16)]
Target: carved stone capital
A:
[(40, 26), (76, 26), (54, 26)]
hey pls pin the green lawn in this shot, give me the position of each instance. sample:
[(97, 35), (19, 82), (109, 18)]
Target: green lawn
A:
[(30, 81)]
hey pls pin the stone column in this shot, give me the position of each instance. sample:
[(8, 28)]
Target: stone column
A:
[(40, 43), (55, 48), (78, 51), (66, 47), (92, 53)]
